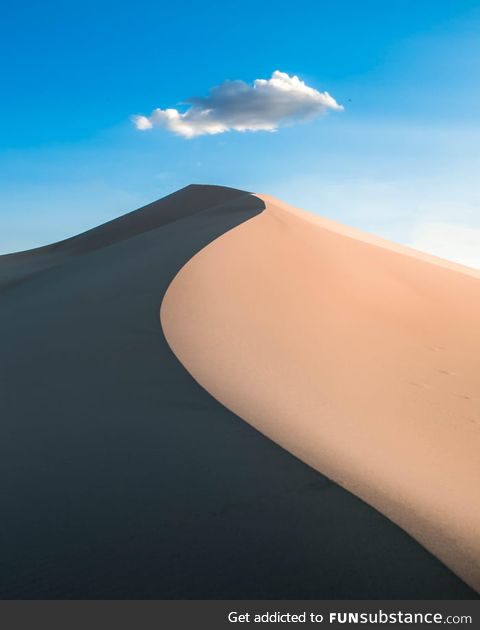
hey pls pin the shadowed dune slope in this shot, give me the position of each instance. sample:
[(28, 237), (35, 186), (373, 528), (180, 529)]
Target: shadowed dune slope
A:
[(181, 204), (121, 477), (359, 356)]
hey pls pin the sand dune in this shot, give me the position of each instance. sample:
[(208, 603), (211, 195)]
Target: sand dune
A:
[(180, 205), (121, 477), (359, 356)]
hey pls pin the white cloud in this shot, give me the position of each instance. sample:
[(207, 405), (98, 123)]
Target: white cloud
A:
[(234, 105), (453, 241)]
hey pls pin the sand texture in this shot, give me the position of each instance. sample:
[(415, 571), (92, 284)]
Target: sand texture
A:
[(359, 356), (122, 478)]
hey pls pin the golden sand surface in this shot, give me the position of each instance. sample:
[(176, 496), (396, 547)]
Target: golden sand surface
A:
[(359, 356)]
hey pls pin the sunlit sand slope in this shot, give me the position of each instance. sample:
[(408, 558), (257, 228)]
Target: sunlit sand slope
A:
[(359, 356)]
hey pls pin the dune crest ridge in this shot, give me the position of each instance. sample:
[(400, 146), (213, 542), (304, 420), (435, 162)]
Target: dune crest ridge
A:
[(357, 355)]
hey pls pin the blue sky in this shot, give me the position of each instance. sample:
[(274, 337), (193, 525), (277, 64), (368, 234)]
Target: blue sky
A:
[(401, 160)]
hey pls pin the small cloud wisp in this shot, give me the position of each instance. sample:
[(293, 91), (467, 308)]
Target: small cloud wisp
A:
[(235, 105)]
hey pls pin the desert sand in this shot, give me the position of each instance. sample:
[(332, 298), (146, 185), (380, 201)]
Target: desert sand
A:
[(359, 356), (122, 478)]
